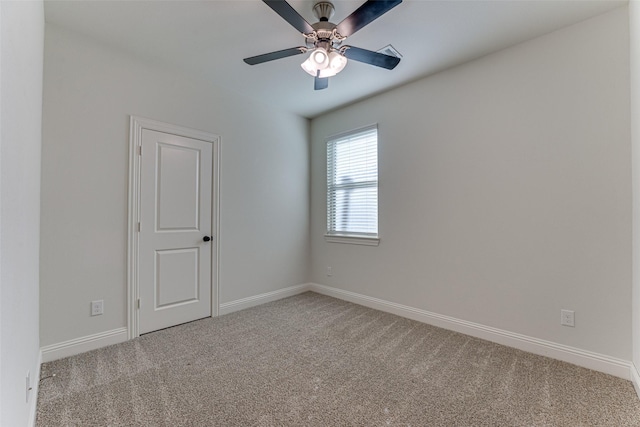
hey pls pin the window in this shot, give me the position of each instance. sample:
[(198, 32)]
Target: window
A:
[(352, 187)]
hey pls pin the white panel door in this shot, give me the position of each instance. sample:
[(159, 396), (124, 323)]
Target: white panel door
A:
[(175, 225)]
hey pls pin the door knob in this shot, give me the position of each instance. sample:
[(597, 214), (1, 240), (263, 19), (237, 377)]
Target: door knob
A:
[(206, 238)]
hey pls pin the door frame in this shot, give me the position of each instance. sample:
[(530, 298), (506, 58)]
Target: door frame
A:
[(136, 126)]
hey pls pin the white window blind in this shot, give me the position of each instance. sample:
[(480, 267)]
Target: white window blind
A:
[(352, 183)]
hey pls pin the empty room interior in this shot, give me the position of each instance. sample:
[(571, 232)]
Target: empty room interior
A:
[(320, 213)]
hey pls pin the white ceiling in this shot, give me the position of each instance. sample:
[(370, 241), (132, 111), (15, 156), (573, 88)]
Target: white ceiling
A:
[(210, 39)]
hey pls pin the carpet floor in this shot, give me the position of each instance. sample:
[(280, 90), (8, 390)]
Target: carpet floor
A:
[(312, 360)]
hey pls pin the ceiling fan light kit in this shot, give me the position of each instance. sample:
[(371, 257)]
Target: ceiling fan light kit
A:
[(324, 39), (320, 58), (323, 65), (337, 62)]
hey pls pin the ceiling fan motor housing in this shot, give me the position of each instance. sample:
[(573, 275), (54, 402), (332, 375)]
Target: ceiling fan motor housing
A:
[(323, 30)]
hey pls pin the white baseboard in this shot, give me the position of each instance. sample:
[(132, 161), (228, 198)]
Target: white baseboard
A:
[(35, 384), (635, 378), (115, 336), (598, 362), (241, 304), (83, 344)]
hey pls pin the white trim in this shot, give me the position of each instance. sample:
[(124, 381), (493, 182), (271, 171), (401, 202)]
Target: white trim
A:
[(241, 304), (35, 386), (362, 129), (137, 124), (135, 140), (215, 211), (598, 362), (635, 378), (353, 240), (83, 344)]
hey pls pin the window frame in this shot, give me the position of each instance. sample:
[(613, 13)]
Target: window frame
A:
[(368, 239)]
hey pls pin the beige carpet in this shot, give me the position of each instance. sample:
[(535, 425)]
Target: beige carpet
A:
[(312, 360)]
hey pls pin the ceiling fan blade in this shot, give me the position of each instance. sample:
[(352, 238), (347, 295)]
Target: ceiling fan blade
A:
[(321, 83), (289, 14), (365, 14), (369, 57), (259, 59)]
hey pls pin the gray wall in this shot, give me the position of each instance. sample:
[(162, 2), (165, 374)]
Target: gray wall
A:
[(505, 190), (89, 93), (634, 50), (21, 36), (505, 187)]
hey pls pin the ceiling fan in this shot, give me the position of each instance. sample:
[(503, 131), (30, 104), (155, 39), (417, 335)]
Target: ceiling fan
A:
[(324, 39)]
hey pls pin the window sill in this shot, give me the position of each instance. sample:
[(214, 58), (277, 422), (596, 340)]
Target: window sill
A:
[(352, 240)]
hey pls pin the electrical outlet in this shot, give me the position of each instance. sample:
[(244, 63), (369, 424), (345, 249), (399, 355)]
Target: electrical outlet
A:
[(28, 385), (567, 318), (329, 273), (97, 307)]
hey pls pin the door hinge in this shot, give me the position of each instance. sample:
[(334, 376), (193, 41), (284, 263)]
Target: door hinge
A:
[(140, 150), (138, 303), (138, 227)]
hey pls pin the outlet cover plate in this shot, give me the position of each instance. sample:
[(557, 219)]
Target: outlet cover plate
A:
[(567, 318), (97, 307)]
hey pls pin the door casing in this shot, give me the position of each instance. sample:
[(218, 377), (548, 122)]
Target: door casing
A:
[(137, 124)]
